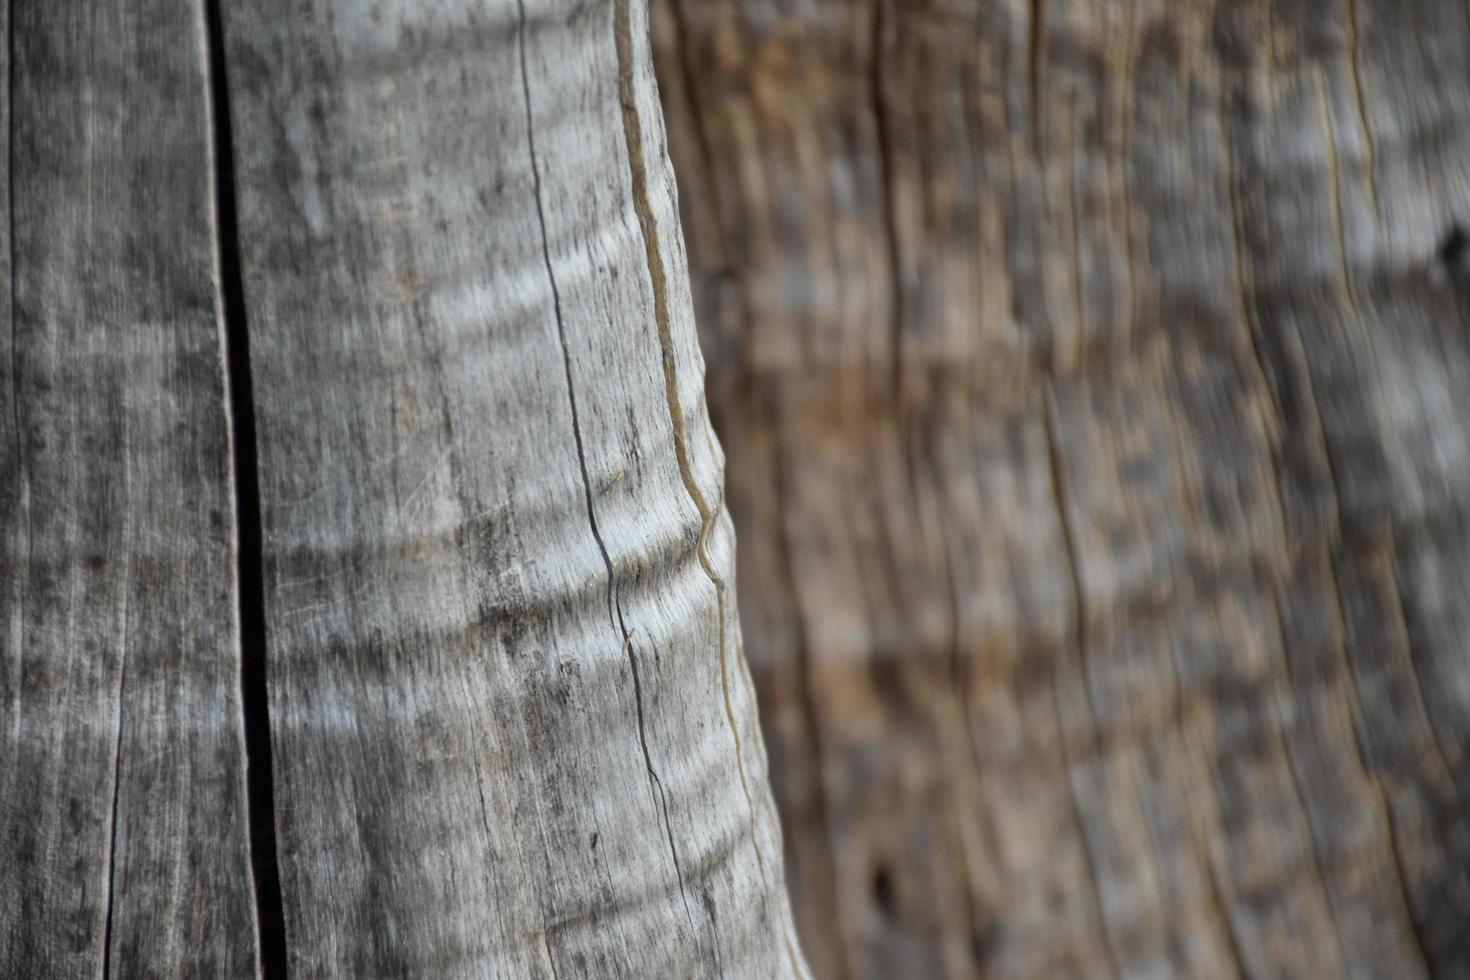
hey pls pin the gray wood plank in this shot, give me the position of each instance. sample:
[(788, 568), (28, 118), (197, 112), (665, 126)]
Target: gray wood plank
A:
[(123, 840), (1101, 369)]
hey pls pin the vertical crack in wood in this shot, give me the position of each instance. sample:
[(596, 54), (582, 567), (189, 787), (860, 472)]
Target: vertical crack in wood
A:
[(22, 468), (1330, 136), (1244, 290), (1309, 388), (480, 790), (240, 408), (1355, 62), (1334, 173), (899, 416), (1077, 644), (117, 756), (1401, 877), (1283, 679), (614, 605), (1201, 829), (1200, 835), (1245, 293), (1370, 767), (633, 136), (1442, 753), (699, 122), (1129, 111), (890, 214), (1074, 219), (561, 333), (1358, 724), (648, 227)]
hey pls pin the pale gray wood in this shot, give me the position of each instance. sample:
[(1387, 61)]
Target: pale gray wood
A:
[(123, 840), (512, 730)]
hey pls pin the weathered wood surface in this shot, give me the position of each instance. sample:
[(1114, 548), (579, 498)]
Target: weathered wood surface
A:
[(512, 729), (425, 257), (1095, 376), (123, 821)]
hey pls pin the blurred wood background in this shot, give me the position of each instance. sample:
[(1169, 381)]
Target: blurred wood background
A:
[(1095, 382)]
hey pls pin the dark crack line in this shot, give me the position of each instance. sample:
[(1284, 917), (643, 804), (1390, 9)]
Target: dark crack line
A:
[(480, 789), (886, 176), (22, 464), (708, 514), (259, 788), (117, 756), (1078, 644), (561, 329), (614, 607)]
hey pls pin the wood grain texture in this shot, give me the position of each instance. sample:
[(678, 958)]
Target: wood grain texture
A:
[(513, 733), (408, 276), (1095, 379), (123, 821)]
